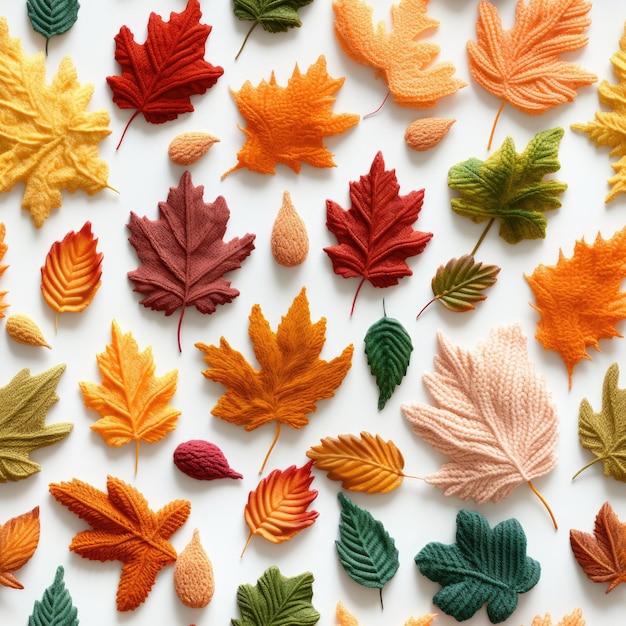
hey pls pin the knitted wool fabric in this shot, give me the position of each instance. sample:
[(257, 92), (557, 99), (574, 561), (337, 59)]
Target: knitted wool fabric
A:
[(193, 575)]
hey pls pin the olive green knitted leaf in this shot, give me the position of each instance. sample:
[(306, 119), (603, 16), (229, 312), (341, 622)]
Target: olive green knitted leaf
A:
[(55, 607), (52, 17), (604, 433), (388, 347), (276, 600), (484, 566), (365, 549), (509, 187)]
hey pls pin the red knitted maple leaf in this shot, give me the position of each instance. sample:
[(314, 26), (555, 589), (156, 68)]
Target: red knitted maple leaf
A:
[(160, 75), (375, 235)]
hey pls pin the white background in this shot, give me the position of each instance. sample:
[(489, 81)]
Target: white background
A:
[(414, 514)]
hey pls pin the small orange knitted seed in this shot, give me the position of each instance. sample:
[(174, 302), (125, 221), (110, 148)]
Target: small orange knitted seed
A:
[(193, 575), (426, 132), (187, 148), (23, 329), (289, 241)]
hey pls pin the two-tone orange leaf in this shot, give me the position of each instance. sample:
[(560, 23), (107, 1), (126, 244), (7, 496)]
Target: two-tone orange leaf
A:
[(132, 402), (277, 508), (71, 275), (366, 463), (19, 538)]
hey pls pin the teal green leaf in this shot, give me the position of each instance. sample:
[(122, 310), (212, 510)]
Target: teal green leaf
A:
[(276, 600), (55, 607), (509, 187), (388, 348), (52, 17), (366, 551), (485, 566)]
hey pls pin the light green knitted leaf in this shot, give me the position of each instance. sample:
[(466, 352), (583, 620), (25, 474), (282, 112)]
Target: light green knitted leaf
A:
[(55, 607), (277, 601), (388, 347), (52, 17)]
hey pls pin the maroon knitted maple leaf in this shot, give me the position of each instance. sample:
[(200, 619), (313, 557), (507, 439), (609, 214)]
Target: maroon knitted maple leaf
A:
[(375, 235), (183, 255), (160, 75)]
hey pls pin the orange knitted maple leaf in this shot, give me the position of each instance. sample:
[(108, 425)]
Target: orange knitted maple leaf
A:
[(288, 124), (579, 299)]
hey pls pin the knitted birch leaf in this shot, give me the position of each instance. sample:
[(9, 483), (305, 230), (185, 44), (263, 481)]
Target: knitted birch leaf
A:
[(55, 607), (388, 347), (484, 566), (19, 538), (492, 415), (367, 463), (365, 549), (52, 17)]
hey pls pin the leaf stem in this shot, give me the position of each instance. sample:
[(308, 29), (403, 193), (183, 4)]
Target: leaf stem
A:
[(267, 456), (132, 117), (380, 106), (356, 295), (180, 323), (380, 593), (482, 237), (246, 39), (495, 123), (556, 526), (136, 456), (247, 542), (426, 306), (47, 41), (582, 469)]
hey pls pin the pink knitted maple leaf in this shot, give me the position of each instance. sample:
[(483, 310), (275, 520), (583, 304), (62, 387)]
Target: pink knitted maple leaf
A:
[(493, 417)]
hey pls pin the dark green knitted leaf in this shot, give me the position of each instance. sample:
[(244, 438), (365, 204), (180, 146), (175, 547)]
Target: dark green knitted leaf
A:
[(55, 607), (485, 566), (277, 601), (52, 17), (388, 347), (366, 551), (509, 187)]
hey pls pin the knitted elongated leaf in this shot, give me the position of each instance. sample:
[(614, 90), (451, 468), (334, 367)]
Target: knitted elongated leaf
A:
[(485, 566), (388, 347), (19, 538), (52, 17), (56, 606)]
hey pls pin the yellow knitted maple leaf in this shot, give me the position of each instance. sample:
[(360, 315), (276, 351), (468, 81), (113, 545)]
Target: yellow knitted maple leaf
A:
[(47, 139)]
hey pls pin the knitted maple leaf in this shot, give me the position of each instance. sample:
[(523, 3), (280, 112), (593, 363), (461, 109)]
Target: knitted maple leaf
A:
[(579, 299), (493, 417), (288, 124), (47, 139)]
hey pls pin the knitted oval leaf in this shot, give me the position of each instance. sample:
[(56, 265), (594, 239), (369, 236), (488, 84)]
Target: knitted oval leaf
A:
[(345, 618), (492, 415), (388, 347), (56, 606), (52, 17), (485, 566), (193, 575), (367, 463), (202, 460), (289, 240), (277, 599), (19, 538), (25, 330), (575, 618), (365, 549)]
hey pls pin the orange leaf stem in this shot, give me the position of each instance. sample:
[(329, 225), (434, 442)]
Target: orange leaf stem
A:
[(380, 106), (495, 123), (136, 456), (530, 484), (247, 543), (267, 456)]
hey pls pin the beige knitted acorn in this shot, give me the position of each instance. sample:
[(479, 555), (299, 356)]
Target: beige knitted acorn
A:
[(193, 575), (290, 240), (426, 132), (187, 148)]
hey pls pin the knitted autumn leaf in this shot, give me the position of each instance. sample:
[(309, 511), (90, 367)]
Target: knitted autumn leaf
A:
[(125, 529), (56, 607), (3, 250), (183, 253), (132, 402), (71, 274), (277, 509), (579, 299), (345, 618), (523, 65), (159, 76), (367, 463), (602, 555), (288, 124), (52, 17), (375, 236), (47, 139), (575, 618), (203, 460), (485, 566), (291, 378), (193, 575), (493, 417), (19, 537), (405, 65)]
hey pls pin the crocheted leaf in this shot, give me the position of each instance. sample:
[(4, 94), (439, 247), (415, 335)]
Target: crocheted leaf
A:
[(485, 566), (291, 378), (375, 236), (345, 618), (193, 575), (273, 137), (575, 618), (276, 599), (183, 253), (602, 555), (52, 17), (71, 274), (403, 63), (277, 509), (47, 139), (367, 463), (19, 537), (159, 76), (202, 460), (124, 529), (608, 128), (493, 417), (509, 187), (24, 403), (388, 348), (365, 549), (55, 607), (132, 402), (3, 250), (579, 299)]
